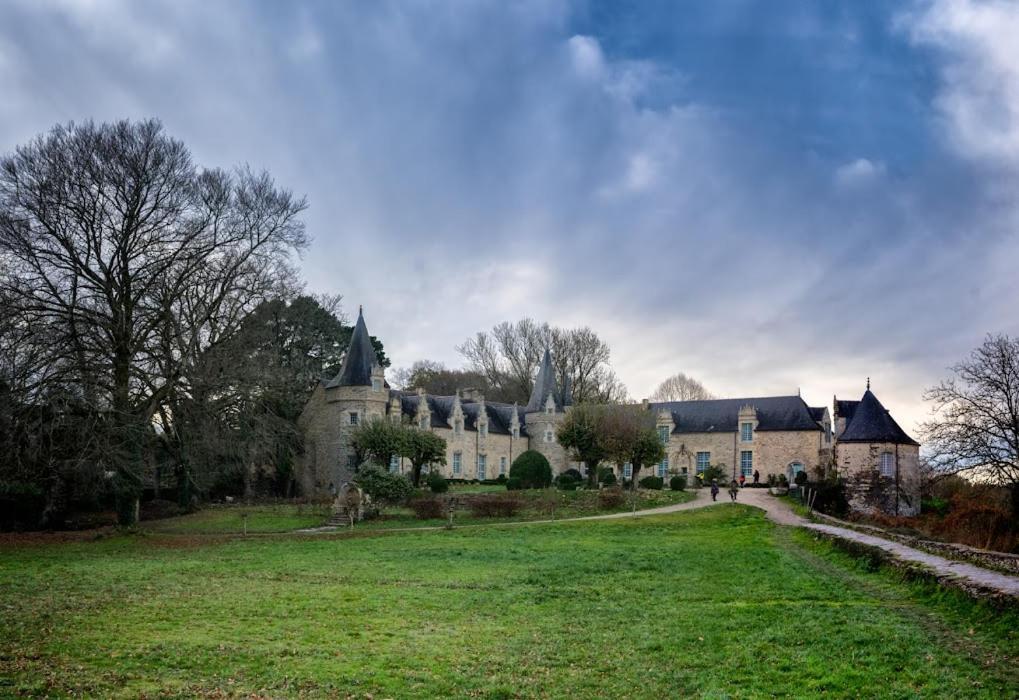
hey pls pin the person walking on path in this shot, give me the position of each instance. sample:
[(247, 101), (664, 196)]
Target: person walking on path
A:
[(733, 490), (757, 477), (714, 489), (742, 480)]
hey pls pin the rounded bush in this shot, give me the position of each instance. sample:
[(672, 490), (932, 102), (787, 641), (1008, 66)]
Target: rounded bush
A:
[(532, 469), (655, 483), (801, 478), (513, 484), (608, 478), (437, 483), (678, 482), (573, 474)]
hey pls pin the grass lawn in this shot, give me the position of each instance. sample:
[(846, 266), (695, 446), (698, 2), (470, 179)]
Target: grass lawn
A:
[(232, 519), (710, 603)]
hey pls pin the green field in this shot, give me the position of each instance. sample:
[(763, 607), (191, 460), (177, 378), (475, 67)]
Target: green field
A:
[(541, 504), (709, 603)]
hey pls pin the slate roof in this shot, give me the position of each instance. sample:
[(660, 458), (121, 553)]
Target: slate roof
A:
[(544, 384), (845, 409), (722, 415), (356, 369), (871, 422), (500, 415), (817, 413)]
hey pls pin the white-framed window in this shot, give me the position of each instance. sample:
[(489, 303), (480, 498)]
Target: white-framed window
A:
[(663, 434), (627, 471), (549, 436), (482, 463), (746, 432), (423, 423), (663, 467), (887, 464), (394, 464), (457, 466), (516, 432), (703, 461), (746, 463), (458, 427), (502, 465), (354, 418), (794, 469), (376, 384), (483, 429)]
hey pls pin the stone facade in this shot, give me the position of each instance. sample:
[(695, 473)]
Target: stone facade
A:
[(771, 435)]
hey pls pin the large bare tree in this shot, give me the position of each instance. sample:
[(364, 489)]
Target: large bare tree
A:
[(680, 387), (133, 261), (508, 357), (975, 416)]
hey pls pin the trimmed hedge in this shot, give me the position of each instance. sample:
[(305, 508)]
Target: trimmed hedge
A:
[(427, 508), (655, 483), (437, 483), (532, 469), (678, 482), (494, 505)]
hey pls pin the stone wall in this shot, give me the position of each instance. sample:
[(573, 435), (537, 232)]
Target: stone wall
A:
[(773, 450), (470, 443), (538, 424), (859, 464)]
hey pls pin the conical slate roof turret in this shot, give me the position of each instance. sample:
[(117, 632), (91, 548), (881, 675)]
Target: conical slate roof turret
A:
[(356, 369), (871, 422), (544, 384)]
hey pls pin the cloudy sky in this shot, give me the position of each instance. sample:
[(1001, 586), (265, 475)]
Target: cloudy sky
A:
[(765, 194)]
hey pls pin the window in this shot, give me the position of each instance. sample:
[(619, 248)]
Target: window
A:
[(456, 463), (516, 432), (548, 436), (703, 461), (746, 432), (794, 469), (746, 463), (887, 464), (458, 427), (394, 464), (482, 460), (627, 471), (502, 465), (376, 384), (351, 462), (663, 467), (663, 434), (353, 417), (483, 429), (423, 423)]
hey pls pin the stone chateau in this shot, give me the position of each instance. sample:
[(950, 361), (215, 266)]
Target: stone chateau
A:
[(769, 435)]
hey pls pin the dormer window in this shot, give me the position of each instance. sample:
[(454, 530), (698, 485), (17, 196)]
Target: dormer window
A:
[(483, 429), (376, 384), (423, 423), (548, 436), (458, 427), (516, 431), (663, 434), (746, 432)]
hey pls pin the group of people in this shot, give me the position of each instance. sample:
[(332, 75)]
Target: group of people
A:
[(734, 486)]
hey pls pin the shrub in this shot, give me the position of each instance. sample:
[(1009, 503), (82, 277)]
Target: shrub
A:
[(678, 483), (494, 505), (611, 498), (801, 478), (715, 471), (514, 484), (572, 474), (829, 496), (607, 477), (532, 469), (382, 486), (934, 505), (567, 484), (655, 483), (437, 483), (501, 479), (781, 481), (427, 507)]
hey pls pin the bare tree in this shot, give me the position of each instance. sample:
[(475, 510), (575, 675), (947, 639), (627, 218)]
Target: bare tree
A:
[(975, 423), (508, 357), (680, 387), (135, 262)]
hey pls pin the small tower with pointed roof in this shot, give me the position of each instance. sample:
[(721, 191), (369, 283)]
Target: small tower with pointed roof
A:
[(879, 462), (543, 414), (357, 393)]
